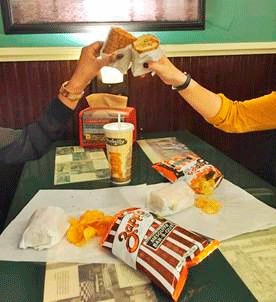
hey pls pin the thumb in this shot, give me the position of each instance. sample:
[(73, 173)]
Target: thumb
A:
[(110, 58), (107, 59)]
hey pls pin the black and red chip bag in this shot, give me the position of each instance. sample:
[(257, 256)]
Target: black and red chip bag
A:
[(157, 247)]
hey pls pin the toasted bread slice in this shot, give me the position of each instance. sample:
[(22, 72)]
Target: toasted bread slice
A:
[(118, 38), (145, 43)]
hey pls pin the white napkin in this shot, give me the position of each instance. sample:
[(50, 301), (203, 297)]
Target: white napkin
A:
[(46, 228), (171, 198)]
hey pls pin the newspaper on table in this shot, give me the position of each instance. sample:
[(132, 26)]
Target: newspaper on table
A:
[(158, 149), (256, 251), (95, 282), (76, 164)]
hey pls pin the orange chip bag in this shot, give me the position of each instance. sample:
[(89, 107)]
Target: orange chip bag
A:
[(201, 176), (91, 223), (157, 247)]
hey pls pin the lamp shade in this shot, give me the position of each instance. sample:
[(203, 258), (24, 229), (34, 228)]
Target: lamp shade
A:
[(111, 75)]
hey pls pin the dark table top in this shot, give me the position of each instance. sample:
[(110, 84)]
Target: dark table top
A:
[(212, 280)]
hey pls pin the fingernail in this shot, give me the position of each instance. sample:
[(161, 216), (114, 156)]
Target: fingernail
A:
[(119, 56), (146, 65)]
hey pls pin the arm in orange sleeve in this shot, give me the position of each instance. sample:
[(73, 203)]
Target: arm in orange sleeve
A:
[(223, 113), (247, 116)]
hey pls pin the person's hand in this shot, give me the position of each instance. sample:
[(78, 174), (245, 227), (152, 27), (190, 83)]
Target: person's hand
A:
[(167, 72), (88, 66)]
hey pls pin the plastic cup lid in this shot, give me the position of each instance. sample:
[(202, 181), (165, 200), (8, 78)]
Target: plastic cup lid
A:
[(122, 126)]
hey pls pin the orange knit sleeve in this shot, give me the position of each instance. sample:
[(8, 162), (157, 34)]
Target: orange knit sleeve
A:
[(246, 116)]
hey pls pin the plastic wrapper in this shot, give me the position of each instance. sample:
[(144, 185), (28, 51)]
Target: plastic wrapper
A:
[(46, 228), (171, 198), (157, 247), (201, 176)]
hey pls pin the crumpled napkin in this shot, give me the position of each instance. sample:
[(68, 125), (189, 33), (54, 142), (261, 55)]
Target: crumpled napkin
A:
[(134, 60), (46, 228)]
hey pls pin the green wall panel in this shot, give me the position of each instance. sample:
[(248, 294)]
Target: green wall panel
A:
[(226, 21)]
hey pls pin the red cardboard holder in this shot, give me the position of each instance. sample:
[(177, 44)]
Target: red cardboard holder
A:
[(92, 120)]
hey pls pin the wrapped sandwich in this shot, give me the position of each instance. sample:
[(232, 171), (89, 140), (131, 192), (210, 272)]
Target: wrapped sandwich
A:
[(157, 247), (119, 41), (171, 198), (145, 48), (145, 43), (135, 51), (118, 38)]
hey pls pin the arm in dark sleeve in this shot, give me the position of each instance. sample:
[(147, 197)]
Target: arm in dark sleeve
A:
[(35, 139)]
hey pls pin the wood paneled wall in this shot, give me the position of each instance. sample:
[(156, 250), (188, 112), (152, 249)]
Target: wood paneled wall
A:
[(26, 87)]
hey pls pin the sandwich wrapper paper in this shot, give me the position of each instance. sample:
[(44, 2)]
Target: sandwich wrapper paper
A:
[(122, 64), (134, 60), (138, 59)]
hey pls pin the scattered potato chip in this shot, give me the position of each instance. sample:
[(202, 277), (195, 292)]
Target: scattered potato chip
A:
[(208, 206), (73, 221), (91, 216), (203, 186), (89, 233), (90, 224), (75, 234), (200, 202)]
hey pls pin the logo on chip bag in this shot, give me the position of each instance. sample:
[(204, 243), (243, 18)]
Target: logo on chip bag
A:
[(130, 233)]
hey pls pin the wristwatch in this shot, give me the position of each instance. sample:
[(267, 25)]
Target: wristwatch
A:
[(185, 84), (68, 94)]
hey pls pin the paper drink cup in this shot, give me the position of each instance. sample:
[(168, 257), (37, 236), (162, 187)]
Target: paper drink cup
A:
[(118, 139)]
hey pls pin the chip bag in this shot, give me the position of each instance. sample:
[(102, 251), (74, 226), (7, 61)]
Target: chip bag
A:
[(201, 176), (157, 247)]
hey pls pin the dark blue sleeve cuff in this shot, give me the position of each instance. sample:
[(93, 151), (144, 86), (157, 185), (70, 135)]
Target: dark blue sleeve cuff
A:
[(59, 111)]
